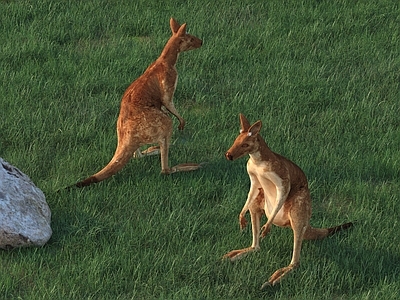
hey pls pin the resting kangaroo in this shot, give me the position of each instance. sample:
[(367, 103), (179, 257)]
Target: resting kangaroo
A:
[(279, 188), (142, 119)]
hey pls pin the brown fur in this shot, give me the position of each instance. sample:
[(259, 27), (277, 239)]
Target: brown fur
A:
[(142, 119), (279, 189)]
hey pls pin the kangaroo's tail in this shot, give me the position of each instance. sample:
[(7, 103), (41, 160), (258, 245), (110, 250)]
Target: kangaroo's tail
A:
[(320, 233), (120, 159), (335, 229)]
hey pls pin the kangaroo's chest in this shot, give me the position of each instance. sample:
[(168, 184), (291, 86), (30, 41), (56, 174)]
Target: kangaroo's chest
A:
[(264, 176), (168, 85)]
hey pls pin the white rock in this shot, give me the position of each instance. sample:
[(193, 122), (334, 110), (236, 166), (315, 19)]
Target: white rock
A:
[(24, 214)]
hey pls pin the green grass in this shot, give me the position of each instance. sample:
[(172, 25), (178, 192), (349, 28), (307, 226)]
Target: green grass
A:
[(324, 78)]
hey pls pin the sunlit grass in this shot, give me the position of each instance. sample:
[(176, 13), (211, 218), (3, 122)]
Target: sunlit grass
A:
[(323, 78)]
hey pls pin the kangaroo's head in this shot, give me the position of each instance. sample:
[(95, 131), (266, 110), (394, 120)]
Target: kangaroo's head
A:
[(246, 142), (186, 41)]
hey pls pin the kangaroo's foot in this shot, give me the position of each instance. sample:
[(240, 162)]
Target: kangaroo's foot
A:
[(278, 275), (182, 168), (240, 253), (153, 150), (186, 167)]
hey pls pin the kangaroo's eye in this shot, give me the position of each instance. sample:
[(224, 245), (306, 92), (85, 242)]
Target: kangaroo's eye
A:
[(245, 145)]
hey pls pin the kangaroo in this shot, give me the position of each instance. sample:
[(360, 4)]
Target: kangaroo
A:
[(143, 118), (279, 188)]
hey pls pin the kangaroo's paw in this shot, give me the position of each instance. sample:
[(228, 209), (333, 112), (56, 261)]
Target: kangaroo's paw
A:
[(242, 222), (265, 229), (154, 150), (181, 124), (238, 254), (278, 275)]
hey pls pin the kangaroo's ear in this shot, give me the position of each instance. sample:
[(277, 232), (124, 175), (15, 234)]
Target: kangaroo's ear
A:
[(255, 128), (181, 30), (174, 25), (244, 124)]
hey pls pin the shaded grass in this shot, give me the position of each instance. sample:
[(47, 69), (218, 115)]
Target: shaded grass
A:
[(322, 76)]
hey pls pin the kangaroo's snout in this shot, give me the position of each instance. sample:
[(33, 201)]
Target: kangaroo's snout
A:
[(228, 156)]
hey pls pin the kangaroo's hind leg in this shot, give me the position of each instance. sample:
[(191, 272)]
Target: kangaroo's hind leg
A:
[(299, 217)]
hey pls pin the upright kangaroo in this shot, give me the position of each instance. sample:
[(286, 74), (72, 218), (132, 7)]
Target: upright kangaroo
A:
[(142, 119), (279, 188)]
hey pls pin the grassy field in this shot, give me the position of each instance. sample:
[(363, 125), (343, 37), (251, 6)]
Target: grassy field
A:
[(323, 76)]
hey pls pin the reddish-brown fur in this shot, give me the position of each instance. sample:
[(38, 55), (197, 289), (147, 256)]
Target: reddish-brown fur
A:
[(279, 189), (142, 119)]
